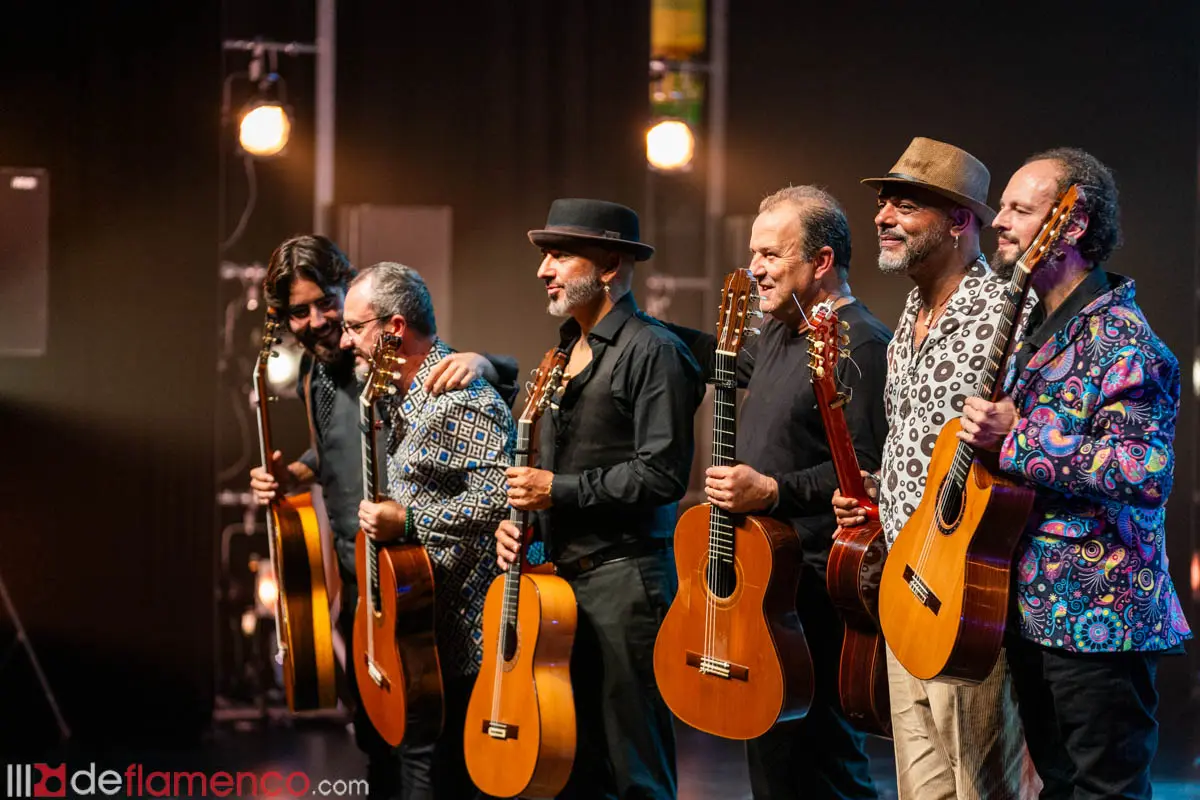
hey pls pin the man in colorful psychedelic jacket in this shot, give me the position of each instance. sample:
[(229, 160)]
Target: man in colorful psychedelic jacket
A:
[(1089, 421)]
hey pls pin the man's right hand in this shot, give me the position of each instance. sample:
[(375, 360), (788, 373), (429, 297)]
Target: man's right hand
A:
[(508, 544), (264, 484), (847, 510)]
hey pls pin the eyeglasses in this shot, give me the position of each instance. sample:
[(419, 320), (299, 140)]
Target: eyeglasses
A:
[(356, 327), (323, 304)]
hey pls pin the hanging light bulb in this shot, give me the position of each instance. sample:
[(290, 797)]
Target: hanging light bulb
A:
[(670, 145), (264, 129)]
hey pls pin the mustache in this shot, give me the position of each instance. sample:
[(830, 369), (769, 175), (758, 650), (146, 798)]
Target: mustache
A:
[(893, 233)]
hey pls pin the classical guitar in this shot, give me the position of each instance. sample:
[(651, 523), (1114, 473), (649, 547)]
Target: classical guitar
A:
[(519, 738), (857, 554), (943, 598), (395, 653), (303, 632), (730, 658)]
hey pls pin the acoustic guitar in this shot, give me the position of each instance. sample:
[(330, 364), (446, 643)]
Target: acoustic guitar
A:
[(519, 738), (943, 600), (857, 554), (395, 652), (730, 658), (303, 630)]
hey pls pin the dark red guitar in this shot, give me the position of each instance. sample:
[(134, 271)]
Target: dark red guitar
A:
[(857, 556)]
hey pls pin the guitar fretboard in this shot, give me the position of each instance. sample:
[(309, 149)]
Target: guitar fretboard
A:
[(724, 450)]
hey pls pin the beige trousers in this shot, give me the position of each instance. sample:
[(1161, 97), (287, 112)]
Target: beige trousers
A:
[(955, 741)]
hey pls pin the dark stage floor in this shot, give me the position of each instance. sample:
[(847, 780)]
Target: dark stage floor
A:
[(710, 768)]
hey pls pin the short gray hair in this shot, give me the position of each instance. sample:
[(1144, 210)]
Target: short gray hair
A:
[(398, 289), (822, 220)]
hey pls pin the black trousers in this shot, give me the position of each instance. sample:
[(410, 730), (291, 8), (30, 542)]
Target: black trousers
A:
[(821, 755), (1089, 719), (432, 772), (625, 745)]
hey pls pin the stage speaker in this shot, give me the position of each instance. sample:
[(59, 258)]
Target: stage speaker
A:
[(418, 236), (24, 257)]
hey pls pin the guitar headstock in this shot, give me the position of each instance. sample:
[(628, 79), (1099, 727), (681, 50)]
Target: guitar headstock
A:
[(546, 384), (270, 338), (385, 367), (825, 340), (739, 300), (1059, 218)]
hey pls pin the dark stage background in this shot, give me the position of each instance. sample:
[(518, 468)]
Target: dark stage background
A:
[(109, 441)]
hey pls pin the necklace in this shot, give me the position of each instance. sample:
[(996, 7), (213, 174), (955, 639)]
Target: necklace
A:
[(931, 318)]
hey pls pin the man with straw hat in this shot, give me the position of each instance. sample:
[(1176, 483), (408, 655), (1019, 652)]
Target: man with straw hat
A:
[(951, 741)]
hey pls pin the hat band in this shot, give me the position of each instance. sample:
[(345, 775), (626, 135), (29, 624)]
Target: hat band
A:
[(586, 231), (904, 176)]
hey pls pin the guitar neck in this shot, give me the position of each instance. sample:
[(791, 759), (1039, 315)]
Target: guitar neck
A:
[(512, 577), (262, 397), (841, 446), (724, 448)]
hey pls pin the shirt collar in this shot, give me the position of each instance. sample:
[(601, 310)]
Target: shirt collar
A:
[(607, 328)]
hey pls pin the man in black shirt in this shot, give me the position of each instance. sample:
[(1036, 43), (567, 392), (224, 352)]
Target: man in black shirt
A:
[(306, 283), (614, 462), (800, 256)]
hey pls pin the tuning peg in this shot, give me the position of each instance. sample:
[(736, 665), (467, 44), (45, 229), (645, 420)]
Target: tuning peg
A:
[(844, 339), (754, 312), (845, 325), (820, 372), (818, 345), (753, 332), (844, 353)]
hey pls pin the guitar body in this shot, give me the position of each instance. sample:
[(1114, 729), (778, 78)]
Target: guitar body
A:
[(943, 598), (404, 697), (531, 753), (852, 577), (755, 631), (309, 676)]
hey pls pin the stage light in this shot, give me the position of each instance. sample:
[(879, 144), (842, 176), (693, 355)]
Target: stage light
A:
[(264, 129), (283, 369), (266, 590), (670, 145)]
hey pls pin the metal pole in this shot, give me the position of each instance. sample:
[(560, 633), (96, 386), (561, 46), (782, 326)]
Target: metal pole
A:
[(324, 144), (714, 214)]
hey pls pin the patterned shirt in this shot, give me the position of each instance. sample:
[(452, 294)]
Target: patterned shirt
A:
[(928, 387), (446, 465)]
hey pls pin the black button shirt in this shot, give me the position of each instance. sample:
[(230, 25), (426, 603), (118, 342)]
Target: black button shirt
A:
[(620, 441)]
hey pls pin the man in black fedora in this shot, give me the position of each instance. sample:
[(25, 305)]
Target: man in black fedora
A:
[(614, 462)]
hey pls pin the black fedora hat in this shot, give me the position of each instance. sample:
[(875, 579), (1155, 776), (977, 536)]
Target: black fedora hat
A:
[(596, 222)]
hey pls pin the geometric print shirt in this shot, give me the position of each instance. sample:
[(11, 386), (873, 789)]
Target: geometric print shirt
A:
[(927, 388), (446, 465)]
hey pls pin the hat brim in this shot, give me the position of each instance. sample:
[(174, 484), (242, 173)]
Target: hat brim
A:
[(548, 238), (985, 213)]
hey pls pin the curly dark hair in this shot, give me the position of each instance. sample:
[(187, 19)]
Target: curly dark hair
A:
[(1103, 234), (313, 257)]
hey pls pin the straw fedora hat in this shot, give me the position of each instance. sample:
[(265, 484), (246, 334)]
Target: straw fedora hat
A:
[(943, 169)]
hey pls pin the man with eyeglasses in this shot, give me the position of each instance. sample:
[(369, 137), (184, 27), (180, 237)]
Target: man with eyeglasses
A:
[(306, 284)]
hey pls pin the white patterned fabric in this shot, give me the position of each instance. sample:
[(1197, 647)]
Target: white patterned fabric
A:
[(446, 465), (928, 388)]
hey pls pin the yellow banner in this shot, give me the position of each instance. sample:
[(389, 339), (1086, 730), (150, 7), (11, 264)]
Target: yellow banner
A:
[(677, 28)]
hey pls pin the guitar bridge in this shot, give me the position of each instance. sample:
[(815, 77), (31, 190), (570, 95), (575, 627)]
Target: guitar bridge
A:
[(921, 590), (500, 730), (377, 675), (717, 667)]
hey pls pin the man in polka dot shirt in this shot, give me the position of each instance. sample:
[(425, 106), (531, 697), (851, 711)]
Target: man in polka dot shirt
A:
[(951, 741)]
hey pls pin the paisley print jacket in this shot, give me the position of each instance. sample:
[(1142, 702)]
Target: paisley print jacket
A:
[(1097, 405)]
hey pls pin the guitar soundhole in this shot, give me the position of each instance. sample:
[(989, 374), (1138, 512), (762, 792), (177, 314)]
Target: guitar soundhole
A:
[(950, 506), (722, 578), (510, 641)]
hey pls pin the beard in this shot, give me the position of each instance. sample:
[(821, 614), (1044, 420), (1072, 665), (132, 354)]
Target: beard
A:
[(324, 343), (916, 248), (1003, 265), (575, 293)]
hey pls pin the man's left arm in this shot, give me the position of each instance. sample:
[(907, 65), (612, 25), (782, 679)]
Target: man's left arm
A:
[(458, 370), (1126, 451)]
